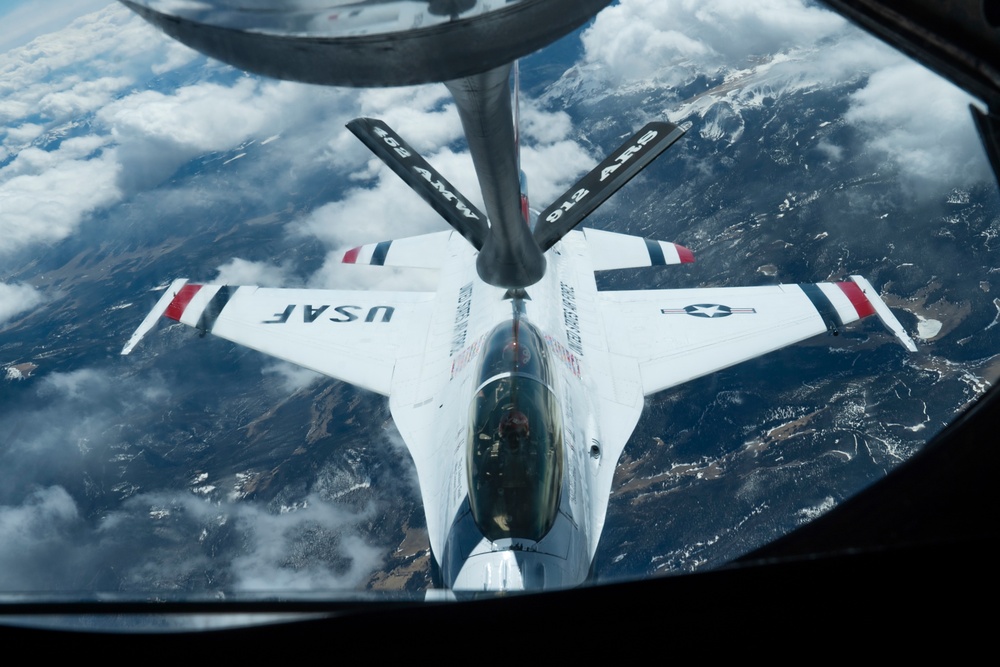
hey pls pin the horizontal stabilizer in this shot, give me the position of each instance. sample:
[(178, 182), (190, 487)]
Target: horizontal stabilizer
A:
[(416, 172), (594, 189), (609, 250), (428, 251), (154, 315), (884, 314)]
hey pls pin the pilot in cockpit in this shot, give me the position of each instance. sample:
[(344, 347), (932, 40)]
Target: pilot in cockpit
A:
[(514, 428)]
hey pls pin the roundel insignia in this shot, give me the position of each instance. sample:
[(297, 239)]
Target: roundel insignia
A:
[(708, 310)]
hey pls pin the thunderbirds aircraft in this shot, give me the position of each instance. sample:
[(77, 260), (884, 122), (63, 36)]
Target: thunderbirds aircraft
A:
[(516, 383), (516, 401)]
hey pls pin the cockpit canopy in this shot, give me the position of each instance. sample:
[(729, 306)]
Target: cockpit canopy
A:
[(515, 458)]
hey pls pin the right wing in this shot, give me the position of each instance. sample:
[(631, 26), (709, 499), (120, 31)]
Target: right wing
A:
[(679, 335), (354, 336)]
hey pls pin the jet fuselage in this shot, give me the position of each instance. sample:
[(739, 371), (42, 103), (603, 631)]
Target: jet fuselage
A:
[(522, 503)]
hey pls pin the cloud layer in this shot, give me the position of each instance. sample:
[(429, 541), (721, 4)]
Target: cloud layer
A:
[(915, 120)]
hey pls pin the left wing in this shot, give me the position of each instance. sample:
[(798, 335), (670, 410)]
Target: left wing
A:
[(355, 336), (678, 335)]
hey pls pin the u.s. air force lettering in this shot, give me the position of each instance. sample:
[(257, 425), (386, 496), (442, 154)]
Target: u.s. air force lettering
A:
[(339, 313)]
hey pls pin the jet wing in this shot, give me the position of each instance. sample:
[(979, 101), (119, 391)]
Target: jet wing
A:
[(678, 335), (354, 336)]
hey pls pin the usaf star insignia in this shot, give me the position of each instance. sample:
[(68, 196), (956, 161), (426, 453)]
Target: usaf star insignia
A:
[(708, 310)]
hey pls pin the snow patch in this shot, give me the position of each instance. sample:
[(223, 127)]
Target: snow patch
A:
[(958, 197), (927, 328)]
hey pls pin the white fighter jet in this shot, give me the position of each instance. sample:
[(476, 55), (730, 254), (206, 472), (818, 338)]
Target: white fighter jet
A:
[(516, 384)]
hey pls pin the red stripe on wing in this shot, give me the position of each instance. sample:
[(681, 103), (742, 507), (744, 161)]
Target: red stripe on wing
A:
[(351, 256), (686, 255), (857, 298), (181, 301)]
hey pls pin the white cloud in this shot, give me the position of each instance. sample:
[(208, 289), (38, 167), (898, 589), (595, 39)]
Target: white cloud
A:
[(551, 169), (424, 115), (85, 384), (158, 132), (921, 122), (244, 272), (545, 127), (34, 161), (15, 299), (289, 378), (33, 537), (47, 87), (48, 205), (174, 56), (200, 117), (139, 139), (132, 141), (45, 544), (73, 407), (23, 134), (313, 546), (273, 559), (669, 40), (81, 97), (79, 68), (368, 215), (772, 45)]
